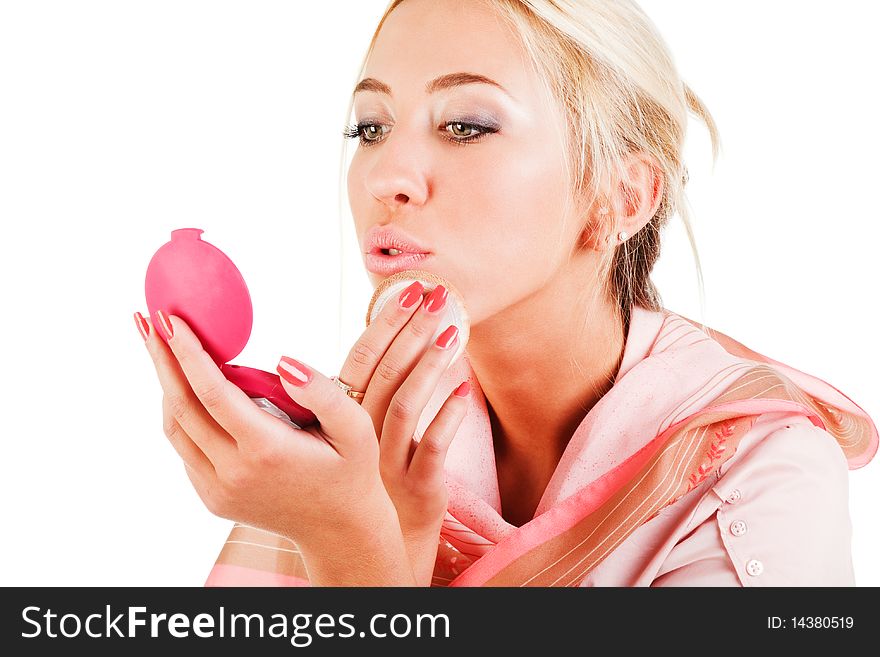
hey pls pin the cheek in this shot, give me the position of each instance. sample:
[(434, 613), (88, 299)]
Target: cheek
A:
[(508, 208), (515, 200)]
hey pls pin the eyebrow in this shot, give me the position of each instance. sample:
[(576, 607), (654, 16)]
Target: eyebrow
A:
[(447, 81)]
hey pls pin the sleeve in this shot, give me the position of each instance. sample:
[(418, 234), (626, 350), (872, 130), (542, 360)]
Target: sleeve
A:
[(254, 557), (782, 517)]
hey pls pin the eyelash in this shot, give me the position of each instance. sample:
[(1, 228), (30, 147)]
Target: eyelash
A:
[(356, 131)]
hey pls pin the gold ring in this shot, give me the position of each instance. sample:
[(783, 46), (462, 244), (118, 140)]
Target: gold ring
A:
[(354, 394)]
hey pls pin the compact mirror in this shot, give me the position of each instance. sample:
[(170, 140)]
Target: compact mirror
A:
[(194, 280)]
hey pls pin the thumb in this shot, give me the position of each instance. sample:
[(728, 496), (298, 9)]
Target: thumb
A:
[(342, 419), (428, 460)]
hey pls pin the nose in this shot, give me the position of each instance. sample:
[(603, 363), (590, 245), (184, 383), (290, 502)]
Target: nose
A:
[(398, 173)]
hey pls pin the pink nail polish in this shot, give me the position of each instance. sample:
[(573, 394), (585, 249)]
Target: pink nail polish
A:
[(463, 389), (166, 324), (448, 337), (410, 295), (142, 325), (437, 299), (294, 372)]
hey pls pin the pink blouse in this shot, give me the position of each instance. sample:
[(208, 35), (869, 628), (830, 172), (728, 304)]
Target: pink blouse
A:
[(776, 515)]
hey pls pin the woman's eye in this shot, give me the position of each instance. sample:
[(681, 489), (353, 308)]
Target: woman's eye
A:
[(367, 133), (457, 128), (463, 132), (371, 132)]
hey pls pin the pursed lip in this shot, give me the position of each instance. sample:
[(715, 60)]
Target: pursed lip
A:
[(387, 237), (386, 265)]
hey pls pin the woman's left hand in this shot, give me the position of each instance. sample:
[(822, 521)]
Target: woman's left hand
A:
[(318, 486)]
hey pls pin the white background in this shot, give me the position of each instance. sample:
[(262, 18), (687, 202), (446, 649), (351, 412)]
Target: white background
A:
[(121, 121)]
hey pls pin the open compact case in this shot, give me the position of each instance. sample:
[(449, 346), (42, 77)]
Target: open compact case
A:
[(194, 280)]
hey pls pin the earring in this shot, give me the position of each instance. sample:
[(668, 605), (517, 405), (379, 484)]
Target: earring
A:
[(622, 235)]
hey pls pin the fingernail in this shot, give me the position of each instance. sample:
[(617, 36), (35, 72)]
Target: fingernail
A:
[(166, 324), (294, 372), (463, 389), (447, 337), (410, 295), (142, 325), (436, 299)]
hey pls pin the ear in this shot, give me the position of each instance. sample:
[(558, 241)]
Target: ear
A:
[(639, 195), (628, 205)]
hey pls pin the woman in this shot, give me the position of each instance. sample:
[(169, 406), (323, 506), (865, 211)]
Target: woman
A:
[(534, 151)]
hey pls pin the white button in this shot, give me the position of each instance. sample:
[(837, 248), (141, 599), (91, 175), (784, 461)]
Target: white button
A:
[(738, 528), (754, 568), (734, 496)]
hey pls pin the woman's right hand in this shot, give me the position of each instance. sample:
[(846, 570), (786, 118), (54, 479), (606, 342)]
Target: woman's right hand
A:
[(382, 364)]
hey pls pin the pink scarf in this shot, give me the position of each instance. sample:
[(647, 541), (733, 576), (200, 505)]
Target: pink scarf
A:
[(683, 399)]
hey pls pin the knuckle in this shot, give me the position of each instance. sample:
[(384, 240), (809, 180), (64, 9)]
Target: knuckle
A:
[(178, 405), (432, 445), (184, 357), (436, 361), (363, 354), (211, 395), (420, 329), (266, 456), (389, 371), (171, 429), (391, 319), (401, 407), (236, 478)]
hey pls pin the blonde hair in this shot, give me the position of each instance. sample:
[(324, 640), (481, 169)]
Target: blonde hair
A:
[(614, 78)]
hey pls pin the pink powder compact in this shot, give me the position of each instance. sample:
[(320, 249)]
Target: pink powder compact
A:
[(197, 282)]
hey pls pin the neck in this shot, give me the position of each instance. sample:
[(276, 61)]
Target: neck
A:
[(542, 364)]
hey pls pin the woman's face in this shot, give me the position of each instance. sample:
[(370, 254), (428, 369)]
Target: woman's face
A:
[(490, 211)]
